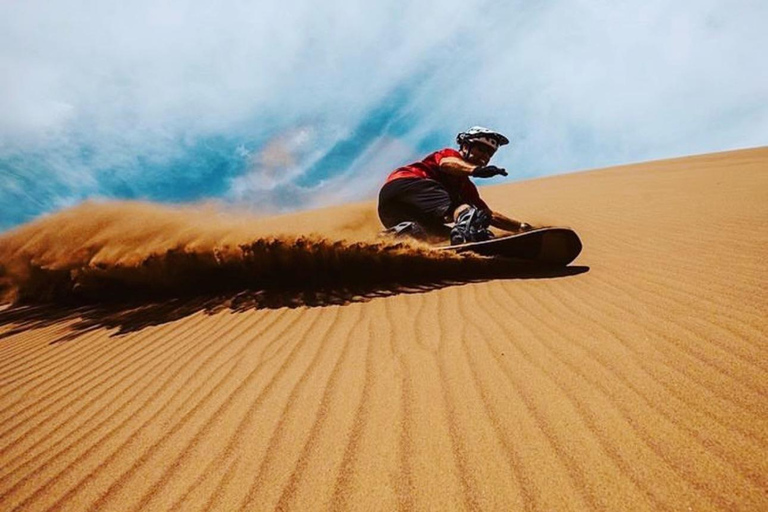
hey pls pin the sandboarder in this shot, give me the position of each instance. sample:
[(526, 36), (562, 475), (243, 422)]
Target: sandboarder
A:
[(419, 199)]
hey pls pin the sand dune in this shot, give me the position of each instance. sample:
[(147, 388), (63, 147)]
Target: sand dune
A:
[(636, 380)]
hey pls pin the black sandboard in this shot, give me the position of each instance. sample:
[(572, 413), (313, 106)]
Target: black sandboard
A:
[(555, 246)]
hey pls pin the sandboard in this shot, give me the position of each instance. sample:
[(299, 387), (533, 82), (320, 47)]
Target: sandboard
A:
[(554, 246)]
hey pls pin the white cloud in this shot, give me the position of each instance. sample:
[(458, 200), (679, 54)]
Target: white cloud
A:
[(282, 160), (644, 80), (575, 83)]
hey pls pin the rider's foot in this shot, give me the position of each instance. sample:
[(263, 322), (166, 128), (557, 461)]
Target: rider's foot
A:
[(471, 226), (406, 229)]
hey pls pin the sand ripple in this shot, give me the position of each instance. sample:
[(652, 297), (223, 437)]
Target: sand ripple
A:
[(640, 384)]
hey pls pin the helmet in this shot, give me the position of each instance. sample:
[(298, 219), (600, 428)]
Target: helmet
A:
[(482, 135)]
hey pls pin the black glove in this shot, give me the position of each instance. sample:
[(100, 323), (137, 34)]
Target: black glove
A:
[(488, 171)]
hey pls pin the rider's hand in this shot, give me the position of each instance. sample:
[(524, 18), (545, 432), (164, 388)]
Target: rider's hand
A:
[(524, 226), (488, 171)]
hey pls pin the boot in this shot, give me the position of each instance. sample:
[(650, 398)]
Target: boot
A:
[(406, 229), (471, 226)]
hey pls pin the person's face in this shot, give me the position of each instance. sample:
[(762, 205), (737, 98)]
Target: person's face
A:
[(479, 154)]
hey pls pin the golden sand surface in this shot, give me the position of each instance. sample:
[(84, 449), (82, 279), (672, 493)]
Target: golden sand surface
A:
[(638, 381)]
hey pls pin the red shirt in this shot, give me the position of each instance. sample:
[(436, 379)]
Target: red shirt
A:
[(458, 186)]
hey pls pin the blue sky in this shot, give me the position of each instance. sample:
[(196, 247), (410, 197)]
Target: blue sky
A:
[(279, 107)]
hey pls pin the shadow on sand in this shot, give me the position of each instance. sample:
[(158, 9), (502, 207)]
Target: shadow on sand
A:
[(139, 308)]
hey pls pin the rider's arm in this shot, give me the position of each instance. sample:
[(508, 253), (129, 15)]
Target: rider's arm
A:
[(503, 222), (456, 166)]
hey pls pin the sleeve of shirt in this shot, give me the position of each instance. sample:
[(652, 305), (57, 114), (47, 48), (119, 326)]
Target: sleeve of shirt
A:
[(470, 194), (445, 153)]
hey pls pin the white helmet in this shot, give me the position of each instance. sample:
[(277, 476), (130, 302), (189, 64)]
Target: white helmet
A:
[(483, 136)]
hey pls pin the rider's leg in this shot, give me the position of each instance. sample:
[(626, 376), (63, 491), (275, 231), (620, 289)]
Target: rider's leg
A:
[(421, 201)]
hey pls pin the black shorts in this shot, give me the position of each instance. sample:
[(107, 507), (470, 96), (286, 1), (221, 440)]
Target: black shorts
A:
[(416, 199)]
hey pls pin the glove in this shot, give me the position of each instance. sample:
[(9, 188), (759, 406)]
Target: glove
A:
[(488, 171)]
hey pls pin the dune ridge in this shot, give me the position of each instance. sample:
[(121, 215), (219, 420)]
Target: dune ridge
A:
[(638, 384)]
